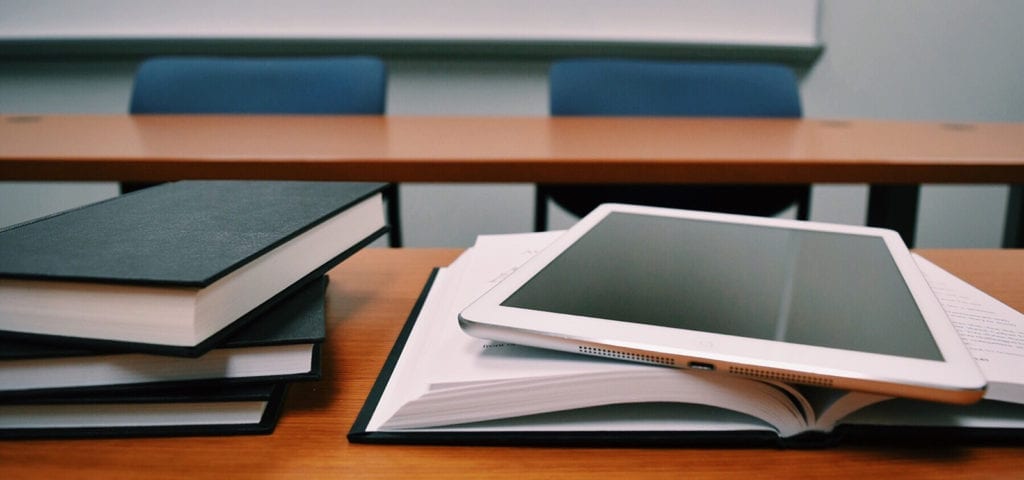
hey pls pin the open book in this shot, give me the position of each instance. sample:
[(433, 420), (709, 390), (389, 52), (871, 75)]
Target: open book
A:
[(441, 385)]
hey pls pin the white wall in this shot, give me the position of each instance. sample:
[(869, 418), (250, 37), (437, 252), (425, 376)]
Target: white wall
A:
[(943, 60), (55, 87), (936, 60)]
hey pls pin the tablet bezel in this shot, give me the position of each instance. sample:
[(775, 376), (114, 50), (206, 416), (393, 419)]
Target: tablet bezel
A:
[(955, 379)]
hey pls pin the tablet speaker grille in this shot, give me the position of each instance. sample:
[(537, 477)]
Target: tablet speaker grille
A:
[(782, 377), (635, 357)]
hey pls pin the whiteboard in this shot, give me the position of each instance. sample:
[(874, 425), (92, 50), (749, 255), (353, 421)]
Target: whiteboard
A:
[(784, 23)]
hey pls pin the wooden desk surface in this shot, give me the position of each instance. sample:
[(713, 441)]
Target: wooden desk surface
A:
[(507, 149), (369, 298)]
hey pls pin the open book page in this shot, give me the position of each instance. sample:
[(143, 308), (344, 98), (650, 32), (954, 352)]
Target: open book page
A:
[(992, 331), (446, 377), (834, 405), (405, 379), (476, 403)]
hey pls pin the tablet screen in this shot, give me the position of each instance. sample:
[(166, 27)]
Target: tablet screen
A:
[(807, 287)]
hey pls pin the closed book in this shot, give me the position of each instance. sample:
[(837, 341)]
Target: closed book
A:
[(282, 344), (202, 410), (173, 269)]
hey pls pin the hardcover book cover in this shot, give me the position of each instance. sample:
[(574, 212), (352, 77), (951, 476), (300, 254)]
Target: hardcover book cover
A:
[(282, 344), (173, 269), (240, 409)]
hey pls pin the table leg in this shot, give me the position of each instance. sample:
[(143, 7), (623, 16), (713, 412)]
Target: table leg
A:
[(394, 214), (894, 207), (1012, 237)]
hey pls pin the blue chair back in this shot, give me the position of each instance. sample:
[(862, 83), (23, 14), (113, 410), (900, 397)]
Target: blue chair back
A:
[(619, 87), (322, 85), (241, 85), (613, 87)]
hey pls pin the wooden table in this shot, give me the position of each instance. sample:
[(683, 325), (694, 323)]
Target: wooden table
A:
[(369, 297), (895, 157)]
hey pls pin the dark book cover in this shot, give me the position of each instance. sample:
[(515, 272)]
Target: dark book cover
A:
[(188, 233), (296, 320), (185, 234), (74, 415)]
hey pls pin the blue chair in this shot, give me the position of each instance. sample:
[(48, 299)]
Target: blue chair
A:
[(613, 87), (303, 86)]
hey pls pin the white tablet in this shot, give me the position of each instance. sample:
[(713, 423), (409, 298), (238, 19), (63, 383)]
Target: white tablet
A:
[(801, 302)]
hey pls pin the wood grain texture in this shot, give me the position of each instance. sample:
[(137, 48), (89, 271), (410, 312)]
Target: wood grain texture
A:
[(369, 298), (507, 149)]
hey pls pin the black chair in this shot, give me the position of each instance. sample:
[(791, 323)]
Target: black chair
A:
[(614, 87), (301, 86)]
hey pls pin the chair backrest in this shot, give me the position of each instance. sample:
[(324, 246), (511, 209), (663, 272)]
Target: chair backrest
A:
[(320, 85), (618, 87), (615, 87), (244, 85)]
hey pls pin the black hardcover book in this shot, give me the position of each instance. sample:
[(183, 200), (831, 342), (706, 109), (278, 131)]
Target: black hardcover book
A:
[(175, 268), (282, 344), (237, 409)]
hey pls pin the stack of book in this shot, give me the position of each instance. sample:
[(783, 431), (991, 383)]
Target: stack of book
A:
[(185, 308)]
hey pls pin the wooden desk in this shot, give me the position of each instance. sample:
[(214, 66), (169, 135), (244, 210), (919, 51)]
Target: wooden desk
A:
[(895, 157), (369, 297)]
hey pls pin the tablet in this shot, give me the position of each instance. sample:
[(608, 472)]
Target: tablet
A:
[(812, 303)]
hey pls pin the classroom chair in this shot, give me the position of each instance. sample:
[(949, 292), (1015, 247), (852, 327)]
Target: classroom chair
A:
[(251, 85), (616, 87)]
